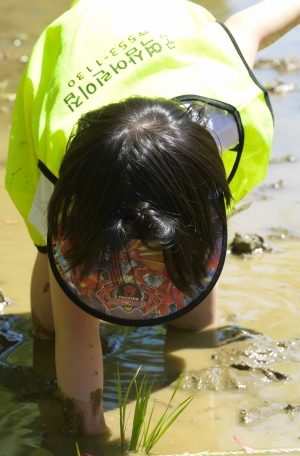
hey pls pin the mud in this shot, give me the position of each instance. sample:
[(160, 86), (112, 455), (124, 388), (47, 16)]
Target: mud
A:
[(285, 159), (244, 365), (261, 296), (266, 192), (280, 87), (38, 329), (287, 65), (278, 185), (4, 301), (284, 233), (73, 415), (234, 377), (248, 243), (46, 287), (96, 400), (11, 56), (244, 361), (256, 415)]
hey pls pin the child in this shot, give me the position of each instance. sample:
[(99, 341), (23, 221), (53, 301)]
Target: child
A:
[(137, 217)]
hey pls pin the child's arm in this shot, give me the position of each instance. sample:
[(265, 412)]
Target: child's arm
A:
[(260, 25), (79, 366)]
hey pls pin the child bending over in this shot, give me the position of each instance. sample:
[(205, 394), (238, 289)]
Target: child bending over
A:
[(171, 129)]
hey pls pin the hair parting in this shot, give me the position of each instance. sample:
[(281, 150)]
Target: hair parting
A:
[(143, 169)]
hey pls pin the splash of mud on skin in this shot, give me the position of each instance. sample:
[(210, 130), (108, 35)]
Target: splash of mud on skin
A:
[(96, 400), (73, 415), (73, 410), (38, 329), (46, 287)]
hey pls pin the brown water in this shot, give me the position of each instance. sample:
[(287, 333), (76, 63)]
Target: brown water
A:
[(249, 364)]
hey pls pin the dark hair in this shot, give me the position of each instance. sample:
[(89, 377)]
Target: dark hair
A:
[(141, 169)]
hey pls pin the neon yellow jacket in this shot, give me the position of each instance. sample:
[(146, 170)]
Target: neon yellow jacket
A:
[(100, 52)]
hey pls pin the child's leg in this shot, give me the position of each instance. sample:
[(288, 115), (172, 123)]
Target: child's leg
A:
[(41, 305), (79, 364), (200, 317)]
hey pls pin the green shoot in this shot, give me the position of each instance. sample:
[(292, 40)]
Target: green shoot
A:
[(77, 449), (141, 436), (166, 419), (142, 399), (123, 404)]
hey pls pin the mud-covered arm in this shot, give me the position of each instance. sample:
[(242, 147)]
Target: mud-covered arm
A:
[(79, 365), (262, 24)]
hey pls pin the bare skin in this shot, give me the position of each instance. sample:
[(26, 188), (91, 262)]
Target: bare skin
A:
[(259, 26), (77, 340), (75, 411), (40, 297), (202, 316), (78, 348), (77, 335)]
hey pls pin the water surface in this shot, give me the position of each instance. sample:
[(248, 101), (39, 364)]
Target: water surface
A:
[(258, 306)]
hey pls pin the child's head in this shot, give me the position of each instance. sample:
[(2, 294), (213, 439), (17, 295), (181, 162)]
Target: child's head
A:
[(141, 169)]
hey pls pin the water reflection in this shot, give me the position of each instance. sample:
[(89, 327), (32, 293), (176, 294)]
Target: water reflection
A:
[(31, 415), (28, 389)]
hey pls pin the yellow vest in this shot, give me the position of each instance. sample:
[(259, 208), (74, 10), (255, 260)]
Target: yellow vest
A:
[(100, 52)]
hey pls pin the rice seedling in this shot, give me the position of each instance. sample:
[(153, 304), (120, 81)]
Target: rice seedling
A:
[(142, 438), (123, 404), (81, 454)]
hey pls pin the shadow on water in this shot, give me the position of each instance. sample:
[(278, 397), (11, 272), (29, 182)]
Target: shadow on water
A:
[(31, 416), (29, 393), (28, 387)]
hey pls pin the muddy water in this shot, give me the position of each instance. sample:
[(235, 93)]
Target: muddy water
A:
[(248, 366)]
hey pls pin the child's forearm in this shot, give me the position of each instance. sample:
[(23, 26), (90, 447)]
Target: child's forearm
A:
[(269, 19), (79, 365), (262, 24)]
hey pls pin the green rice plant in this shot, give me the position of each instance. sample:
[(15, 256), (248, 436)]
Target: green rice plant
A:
[(78, 452), (142, 398), (142, 438), (165, 421), (123, 404)]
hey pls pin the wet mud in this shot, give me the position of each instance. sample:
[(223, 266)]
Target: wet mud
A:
[(285, 65), (96, 400), (242, 362), (248, 367), (73, 415), (248, 243), (280, 87), (4, 301), (256, 415), (38, 329), (285, 159), (284, 233)]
